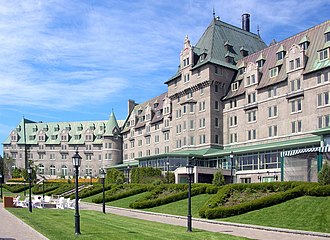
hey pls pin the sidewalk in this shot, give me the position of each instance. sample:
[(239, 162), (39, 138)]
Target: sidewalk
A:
[(242, 230), (12, 228)]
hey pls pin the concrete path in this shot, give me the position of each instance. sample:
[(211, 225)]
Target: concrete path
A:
[(12, 228), (242, 230)]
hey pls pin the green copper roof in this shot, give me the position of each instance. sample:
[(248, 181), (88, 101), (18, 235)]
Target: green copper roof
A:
[(111, 125)]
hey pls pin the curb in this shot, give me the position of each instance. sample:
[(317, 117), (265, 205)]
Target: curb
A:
[(283, 230)]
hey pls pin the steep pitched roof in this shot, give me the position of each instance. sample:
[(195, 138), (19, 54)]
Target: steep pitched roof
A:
[(111, 125), (218, 34)]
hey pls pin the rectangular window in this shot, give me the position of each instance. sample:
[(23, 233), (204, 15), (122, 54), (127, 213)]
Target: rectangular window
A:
[(323, 99), (202, 123), (216, 87), (234, 86), (295, 85), (296, 106), (273, 72), (233, 138), (202, 106), (297, 62), (233, 121), (279, 55), (272, 111), (324, 54), (216, 105), (296, 126), (191, 125), (272, 131), (291, 63), (202, 139), (272, 92), (252, 97), (233, 103), (324, 121), (252, 134), (216, 122), (252, 116)]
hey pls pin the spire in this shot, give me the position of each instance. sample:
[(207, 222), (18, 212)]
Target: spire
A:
[(258, 30), (111, 127), (213, 12)]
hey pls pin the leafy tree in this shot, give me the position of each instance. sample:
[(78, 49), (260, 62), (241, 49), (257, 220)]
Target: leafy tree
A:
[(324, 174), (218, 179), (17, 173), (170, 177), (114, 176), (6, 165), (145, 175)]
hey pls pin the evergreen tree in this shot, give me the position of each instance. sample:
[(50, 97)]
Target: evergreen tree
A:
[(324, 174), (218, 179)]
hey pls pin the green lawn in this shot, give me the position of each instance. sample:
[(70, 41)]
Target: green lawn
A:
[(59, 224), (304, 213), (124, 202)]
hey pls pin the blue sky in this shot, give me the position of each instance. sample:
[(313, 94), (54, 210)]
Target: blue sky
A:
[(77, 60)]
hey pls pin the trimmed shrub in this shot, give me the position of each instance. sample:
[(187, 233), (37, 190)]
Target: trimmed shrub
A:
[(95, 189), (16, 188), (37, 188), (114, 176), (218, 179), (324, 174), (180, 192), (122, 191)]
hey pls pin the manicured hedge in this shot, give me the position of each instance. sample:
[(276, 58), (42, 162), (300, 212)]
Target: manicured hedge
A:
[(123, 191), (38, 189), (284, 192), (16, 188), (180, 191), (63, 187), (90, 191)]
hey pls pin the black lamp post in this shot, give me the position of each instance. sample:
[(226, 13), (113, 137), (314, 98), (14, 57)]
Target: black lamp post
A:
[(189, 169), (76, 161), (102, 176), (231, 166), (29, 170), (24, 187), (128, 169), (43, 187), (168, 171), (1, 179)]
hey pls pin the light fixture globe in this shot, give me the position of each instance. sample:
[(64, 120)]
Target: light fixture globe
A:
[(76, 159), (102, 174), (29, 170), (189, 169)]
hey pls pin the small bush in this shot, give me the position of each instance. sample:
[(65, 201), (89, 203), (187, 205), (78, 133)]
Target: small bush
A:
[(16, 188), (218, 179), (324, 174)]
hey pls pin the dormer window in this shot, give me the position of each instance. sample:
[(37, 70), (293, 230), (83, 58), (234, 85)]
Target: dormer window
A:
[(185, 62), (323, 54), (139, 111), (57, 128), (250, 80), (273, 72), (156, 105), (280, 55), (230, 59), (228, 46), (234, 86), (244, 52), (35, 129), (241, 70), (304, 43), (327, 35), (80, 128), (260, 63)]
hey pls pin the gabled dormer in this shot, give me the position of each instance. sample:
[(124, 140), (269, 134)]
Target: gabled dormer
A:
[(186, 55), (304, 43), (280, 53), (295, 58), (244, 52), (261, 60)]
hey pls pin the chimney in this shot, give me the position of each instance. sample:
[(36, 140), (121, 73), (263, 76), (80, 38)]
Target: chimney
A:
[(246, 22), (131, 105)]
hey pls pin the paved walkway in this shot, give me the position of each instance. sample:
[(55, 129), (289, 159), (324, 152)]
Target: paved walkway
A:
[(242, 230), (12, 228)]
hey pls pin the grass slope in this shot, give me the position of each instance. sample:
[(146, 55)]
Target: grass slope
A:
[(59, 224), (304, 213)]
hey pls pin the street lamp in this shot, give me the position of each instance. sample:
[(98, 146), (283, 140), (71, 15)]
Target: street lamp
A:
[(1, 179), (231, 166), (24, 187), (128, 169), (189, 169), (168, 171), (43, 187), (76, 161), (29, 170), (102, 176)]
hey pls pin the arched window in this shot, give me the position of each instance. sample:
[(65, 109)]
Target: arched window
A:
[(41, 169), (64, 170), (52, 170)]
